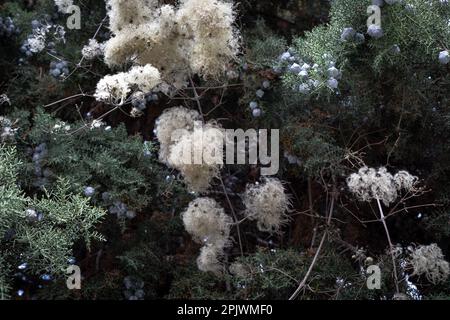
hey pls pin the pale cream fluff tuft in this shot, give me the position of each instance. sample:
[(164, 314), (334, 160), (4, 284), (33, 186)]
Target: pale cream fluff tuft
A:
[(215, 41), (198, 36), (198, 177), (113, 88), (209, 259), (116, 88), (267, 203), (123, 13), (371, 184), (93, 49), (205, 220), (177, 118), (429, 261)]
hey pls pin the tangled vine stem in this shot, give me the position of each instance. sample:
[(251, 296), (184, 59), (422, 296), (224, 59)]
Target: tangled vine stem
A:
[(316, 256), (391, 247), (235, 219)]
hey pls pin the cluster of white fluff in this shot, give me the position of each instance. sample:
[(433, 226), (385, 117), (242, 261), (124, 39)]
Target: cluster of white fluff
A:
[(267, 203), (370, 184), (429, 260), (196, 37), (214, 41), (115, 88), (198, 177), (179, 143), (208, 224), (206, 221), (209, 259), (171, 121), (37, 41), (92, 50), (63, 5)]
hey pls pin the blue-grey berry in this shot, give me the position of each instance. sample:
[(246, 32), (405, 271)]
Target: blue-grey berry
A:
[(295, 68), (130, 214), (348, 34), (333, 83), (375, 31), (303, 73), (360, 38), (55, 72), (89, 191), (333, 72), (256, 113), (285, 56), (306, 66), (253, 105), (303, 88), (444, 57)]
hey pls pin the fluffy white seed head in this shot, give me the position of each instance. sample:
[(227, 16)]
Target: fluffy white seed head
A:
[(198, 175), (115, 88), (429, 261), (92, 50), (125, 13), (171, 121), (205, 220), (214, 41), (267, 203), (197, 36), (371, 184), (207, 223), (404, 180), (209, 259), (143, 78)]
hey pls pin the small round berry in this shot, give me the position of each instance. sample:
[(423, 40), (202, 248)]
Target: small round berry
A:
[(256, 113), (266, 84), (333, 72), (295, 68), (360, 38), (253, 105), (285, 56), (89, 191), (130, 214), (333, 83), (303, 73), (348, 34), (375, 31), (444, 57), (303, 88), (55, 72)]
